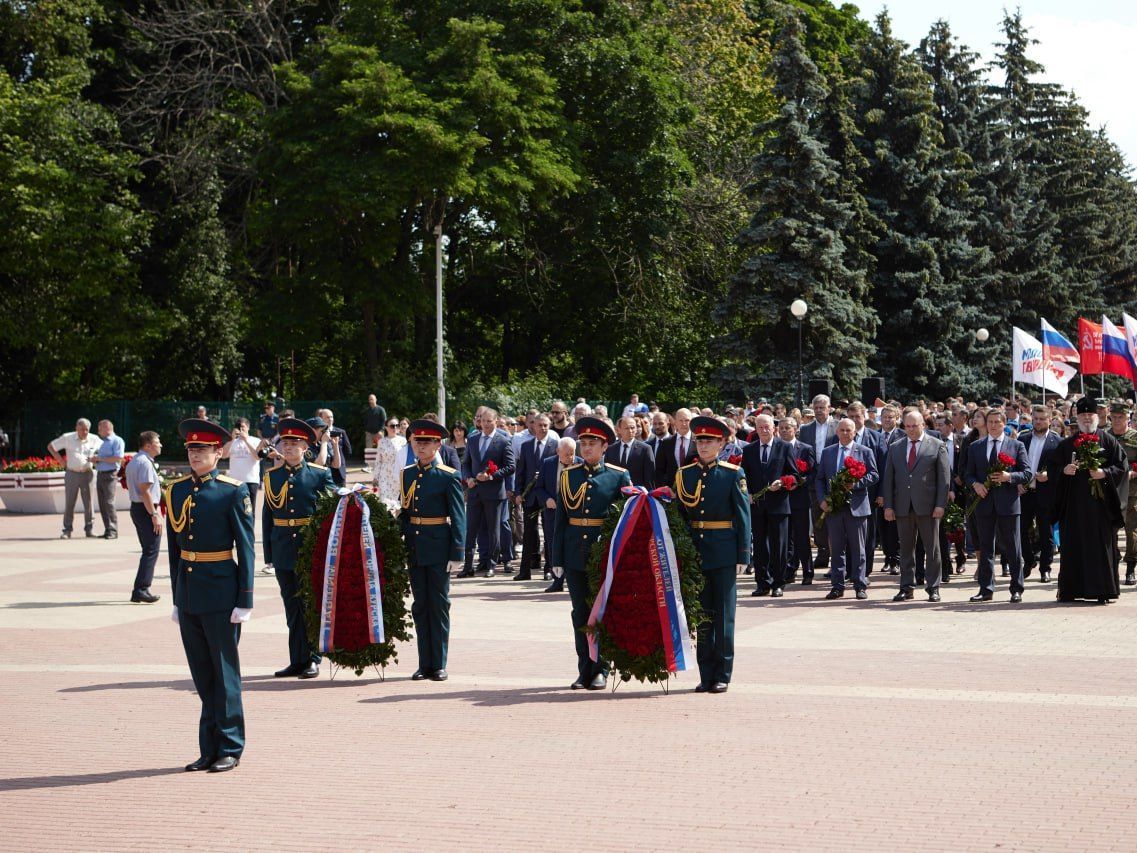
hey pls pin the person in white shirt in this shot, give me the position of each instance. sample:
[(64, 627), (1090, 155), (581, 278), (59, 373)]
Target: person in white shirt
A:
[(634, 407), (78, 448)]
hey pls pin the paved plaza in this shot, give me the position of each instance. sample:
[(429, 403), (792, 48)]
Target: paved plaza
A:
[(849, 726)]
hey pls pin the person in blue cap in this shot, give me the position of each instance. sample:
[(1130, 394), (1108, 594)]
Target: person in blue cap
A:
[(587, 493), (291, 491), (210, 537), (716, 506), (433, 523)]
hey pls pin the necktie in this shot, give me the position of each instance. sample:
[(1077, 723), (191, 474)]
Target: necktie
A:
[(911, 455), (840, 456), (682, 450), (765, 453), (624, 456), (994, 452)]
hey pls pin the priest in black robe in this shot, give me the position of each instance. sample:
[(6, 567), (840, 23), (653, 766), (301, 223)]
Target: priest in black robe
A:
[(1088, 524)]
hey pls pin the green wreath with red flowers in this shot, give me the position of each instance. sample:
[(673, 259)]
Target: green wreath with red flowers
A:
[(630, 636), (353, 648)]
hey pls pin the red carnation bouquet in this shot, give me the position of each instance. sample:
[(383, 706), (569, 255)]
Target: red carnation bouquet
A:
[(1004, 462), (789, 483), (802, 466), (491, 467), (122, 469), (735, 459), (1090, 457), (842, 484)]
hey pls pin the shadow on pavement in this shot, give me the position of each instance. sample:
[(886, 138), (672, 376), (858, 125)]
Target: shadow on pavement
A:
[(527, 696), (46, 605), (263, 683), (31, 783)]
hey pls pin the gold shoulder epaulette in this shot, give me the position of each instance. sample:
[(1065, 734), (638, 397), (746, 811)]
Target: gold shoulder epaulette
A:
[(614, 467), (688, 465), (446, 468), (730, 466), (222, 478), (177, 480), (571, 467), (317, 467), (412, 465)]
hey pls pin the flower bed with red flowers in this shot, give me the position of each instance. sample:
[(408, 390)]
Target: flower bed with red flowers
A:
[(630, 635), (350, 640), (32, 465)]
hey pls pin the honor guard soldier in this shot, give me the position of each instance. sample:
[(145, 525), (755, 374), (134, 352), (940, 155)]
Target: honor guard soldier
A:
[(1126, 436), (717, 508), (210, 536), (291, 491), (587, 492), (433, 522)]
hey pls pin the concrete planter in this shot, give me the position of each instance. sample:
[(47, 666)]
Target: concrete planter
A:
[(42, 493)]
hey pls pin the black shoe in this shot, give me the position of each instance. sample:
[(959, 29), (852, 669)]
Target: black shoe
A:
[(791, 578), (760, 592), (702, 687), (1044, 577), (90, 534), (310, 671), (718, 687), (819, 563), (1103, 600), (66, 534), (558, 585), (577, 685), (1006, 573), (894, 570), (507, 569), (110, 535), (776, 592), (1016, 597), (1065, 599), (143, 596), (903, 595), (982, 596), (465, 573), (202, 763), (439, 675), (288, 671), (749, 570), (835, 593), (1027, 570), (933, 596), (420, 675), (226, 762), (1130, 577), (598, 681), (489, 573), (807, 580), (862, 594), (524, 576)]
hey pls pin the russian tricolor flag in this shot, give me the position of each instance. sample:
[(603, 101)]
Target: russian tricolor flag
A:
[(1055, 346), (1115, 356)]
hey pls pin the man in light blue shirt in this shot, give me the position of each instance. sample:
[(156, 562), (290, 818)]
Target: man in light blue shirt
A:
[(109, 457), (144, 487)]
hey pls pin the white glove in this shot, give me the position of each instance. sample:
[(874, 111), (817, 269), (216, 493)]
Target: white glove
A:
[(558, 571), (241, 614), (740, 568), (174, 615), (455, 566)]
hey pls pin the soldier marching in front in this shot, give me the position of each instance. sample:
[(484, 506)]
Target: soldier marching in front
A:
[(433, 522), (210, 537), (716, 507), (291, 491), (587, 493)]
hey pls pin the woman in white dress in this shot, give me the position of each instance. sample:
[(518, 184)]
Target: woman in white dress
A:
[(390, 460)]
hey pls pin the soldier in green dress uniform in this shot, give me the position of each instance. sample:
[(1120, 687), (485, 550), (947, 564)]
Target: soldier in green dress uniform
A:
[(291, 491), (433, 522), (1127, 437), (210, 536), (587, 492), (717, 509)]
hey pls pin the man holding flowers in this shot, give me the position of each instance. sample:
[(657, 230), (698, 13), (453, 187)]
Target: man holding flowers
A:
[(844, 475)]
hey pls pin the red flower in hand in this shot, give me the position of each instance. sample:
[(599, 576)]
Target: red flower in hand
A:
[(789, 483), (1009, 461), (734, 459), (1134, 466), (855, 467), (491, 468), (802, 466)]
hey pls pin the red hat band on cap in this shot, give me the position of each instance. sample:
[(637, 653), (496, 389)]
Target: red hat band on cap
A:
[(593, 432), (293, 432), (427, 433)]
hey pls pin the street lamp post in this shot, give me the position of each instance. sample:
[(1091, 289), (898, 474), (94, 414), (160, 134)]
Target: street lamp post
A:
[(798, 308), (438, 321)]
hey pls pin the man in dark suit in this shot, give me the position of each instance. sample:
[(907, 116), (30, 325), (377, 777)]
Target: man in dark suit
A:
[(816, 434), (872, 440), (632, 454), (486, 493), (533, 452), (765, 461), (1038, 496), (676, 450), (798, 550), (997, 515), (660, 429), (890, 431), (915, 492), (847, 525), (547, 493)]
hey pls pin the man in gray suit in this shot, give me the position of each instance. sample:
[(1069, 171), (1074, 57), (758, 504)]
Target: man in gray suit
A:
[(817, 434), (915, 492)]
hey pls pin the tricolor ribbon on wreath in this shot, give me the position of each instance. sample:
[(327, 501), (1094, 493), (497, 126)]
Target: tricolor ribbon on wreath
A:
[(370, 568), (678, 651)]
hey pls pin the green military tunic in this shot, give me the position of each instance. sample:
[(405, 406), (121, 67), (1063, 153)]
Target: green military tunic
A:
[(210, 539), (716, 507), (433, 522), (290, 499), (587, 493), (1128, 494)]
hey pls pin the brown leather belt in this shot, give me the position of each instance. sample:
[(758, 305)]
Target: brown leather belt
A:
[(427, 521), (292, 522), (586, 522), (207, 556), (712, 525)]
